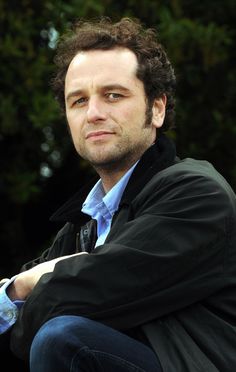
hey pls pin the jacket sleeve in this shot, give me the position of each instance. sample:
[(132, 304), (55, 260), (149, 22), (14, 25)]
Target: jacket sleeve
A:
[(57, 249), (171, 251)]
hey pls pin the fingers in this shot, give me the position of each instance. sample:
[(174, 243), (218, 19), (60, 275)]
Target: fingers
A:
[(4, 280)]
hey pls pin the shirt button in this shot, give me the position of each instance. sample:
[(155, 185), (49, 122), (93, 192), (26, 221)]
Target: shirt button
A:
[(10, 314)]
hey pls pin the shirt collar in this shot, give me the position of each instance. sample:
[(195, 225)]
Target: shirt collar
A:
[(98, 202)]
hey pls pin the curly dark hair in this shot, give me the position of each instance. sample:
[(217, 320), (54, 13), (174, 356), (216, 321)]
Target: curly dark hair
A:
[(154, 67)]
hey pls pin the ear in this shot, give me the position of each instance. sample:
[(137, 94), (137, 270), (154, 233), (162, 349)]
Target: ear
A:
[(158, 111)]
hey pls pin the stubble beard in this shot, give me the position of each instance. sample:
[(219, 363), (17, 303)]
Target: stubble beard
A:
[(122, 155), (116, 157), (127, 153)]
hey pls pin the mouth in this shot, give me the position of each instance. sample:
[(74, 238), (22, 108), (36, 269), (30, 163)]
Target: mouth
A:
[(99, 134)]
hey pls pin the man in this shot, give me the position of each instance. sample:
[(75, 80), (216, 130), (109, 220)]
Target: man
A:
[(142, 277)]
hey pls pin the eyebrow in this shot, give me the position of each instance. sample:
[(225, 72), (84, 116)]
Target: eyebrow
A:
[(77, 92), (73, 94), (115, 86)]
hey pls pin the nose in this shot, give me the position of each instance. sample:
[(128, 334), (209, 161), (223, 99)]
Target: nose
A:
[(96, 111)]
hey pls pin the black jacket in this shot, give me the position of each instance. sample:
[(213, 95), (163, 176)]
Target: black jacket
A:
[(167, 268)]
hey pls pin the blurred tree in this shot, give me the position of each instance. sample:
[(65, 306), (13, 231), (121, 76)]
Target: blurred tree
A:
[(39, 168), (35, 148)]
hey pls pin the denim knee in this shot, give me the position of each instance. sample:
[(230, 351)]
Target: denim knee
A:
[(73, 341), (56, 330)]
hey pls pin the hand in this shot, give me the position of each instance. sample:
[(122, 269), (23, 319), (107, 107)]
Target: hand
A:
[(25, 282)]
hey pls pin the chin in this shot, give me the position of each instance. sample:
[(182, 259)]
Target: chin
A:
[(106, 162)]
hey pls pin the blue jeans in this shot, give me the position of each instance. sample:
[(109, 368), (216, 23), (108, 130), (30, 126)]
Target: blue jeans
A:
[(77, 344)]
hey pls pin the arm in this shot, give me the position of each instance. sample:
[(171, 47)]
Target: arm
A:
[(25, 282), (14, 291)]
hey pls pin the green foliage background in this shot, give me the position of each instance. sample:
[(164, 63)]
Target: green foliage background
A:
[(38, 165)]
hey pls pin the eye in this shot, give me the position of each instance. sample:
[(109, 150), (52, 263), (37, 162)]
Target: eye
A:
[(114, 96), (80, 101)]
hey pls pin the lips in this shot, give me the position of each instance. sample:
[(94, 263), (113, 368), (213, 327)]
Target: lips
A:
[(98, 134)]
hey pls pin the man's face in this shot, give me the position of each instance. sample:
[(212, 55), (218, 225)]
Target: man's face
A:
[(106, 108)]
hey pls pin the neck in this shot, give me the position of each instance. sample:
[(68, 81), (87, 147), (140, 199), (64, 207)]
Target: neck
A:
[(112, 172), (110, 177)]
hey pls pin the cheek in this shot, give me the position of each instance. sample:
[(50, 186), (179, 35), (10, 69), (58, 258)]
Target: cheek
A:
[(75, 131), (74, 122), (133, 118), (136, 111), (127, 116)]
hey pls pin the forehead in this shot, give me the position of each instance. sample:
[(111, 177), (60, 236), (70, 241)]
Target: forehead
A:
[(102, 65)]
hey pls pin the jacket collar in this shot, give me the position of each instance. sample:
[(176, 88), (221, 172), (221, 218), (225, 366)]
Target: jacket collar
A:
[(159, 156)]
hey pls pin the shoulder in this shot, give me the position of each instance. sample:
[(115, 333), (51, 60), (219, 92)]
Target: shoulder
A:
[(194, 172), (191, 181)]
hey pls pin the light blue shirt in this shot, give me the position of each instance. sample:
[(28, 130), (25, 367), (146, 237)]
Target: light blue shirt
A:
[(98, 205), (101, 206), (8, 309)]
